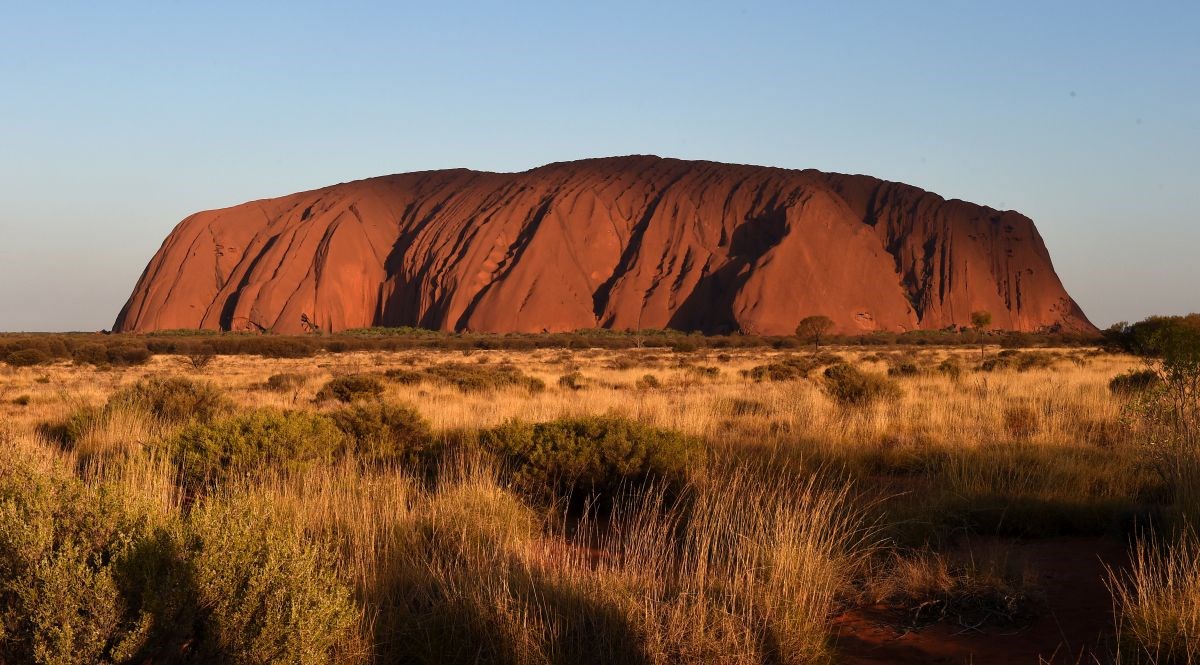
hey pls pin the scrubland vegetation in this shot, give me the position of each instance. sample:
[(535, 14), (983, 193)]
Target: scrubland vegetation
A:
[(692, 502)]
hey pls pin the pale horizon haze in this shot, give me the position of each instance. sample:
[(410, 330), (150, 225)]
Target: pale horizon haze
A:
[(120, 119)]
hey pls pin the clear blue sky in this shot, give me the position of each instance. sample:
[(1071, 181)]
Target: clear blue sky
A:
[(119, 119)]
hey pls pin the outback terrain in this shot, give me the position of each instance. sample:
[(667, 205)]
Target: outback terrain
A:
[(648, 502)]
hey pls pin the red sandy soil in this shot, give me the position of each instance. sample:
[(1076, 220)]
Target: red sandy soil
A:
[(624, 243), (1077, 623)]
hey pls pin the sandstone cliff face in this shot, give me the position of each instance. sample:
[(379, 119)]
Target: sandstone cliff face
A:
[(626, 243)]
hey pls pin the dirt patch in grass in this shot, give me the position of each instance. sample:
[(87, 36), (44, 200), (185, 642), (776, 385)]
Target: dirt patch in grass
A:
[(1077, 620)]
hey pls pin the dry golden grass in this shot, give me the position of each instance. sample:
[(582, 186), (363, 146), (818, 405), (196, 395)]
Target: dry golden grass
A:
[(1069, 404), (747, 565), (1158, 601)]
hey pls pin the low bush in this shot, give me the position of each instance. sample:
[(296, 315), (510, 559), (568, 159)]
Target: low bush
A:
[(851, 387), (268, 595), (479, 378), (350, 388), (904, 368), (21, 400), (684, 346), (62, 545), (88, 575), (571, 381), (1134, 382), (27, 358), (648, 382), (201, 357), (791, 367), (90, 354), (581, 457), (128, 354), (387, 433), (405, 377), (279, 347), (787, 369), (285, 382), (1020, 361), (253, 441), (951, 367), (174, 400)]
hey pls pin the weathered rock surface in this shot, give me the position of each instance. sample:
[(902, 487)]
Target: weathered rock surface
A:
[(623, 242)]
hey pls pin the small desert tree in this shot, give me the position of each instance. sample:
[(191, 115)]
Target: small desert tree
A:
[(1170, 412), (980, 320), (813, 328)]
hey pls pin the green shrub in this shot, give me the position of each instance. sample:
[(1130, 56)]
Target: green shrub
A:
[(579, 457), (269, 596), (62, 547), (1134, 381), (174, 400), (27, 358), (285, 382), (387, 433), (851, 387), (256, 440), (351, 387)]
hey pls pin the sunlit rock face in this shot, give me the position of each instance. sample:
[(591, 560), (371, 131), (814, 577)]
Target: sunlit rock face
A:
[(625, 242)]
